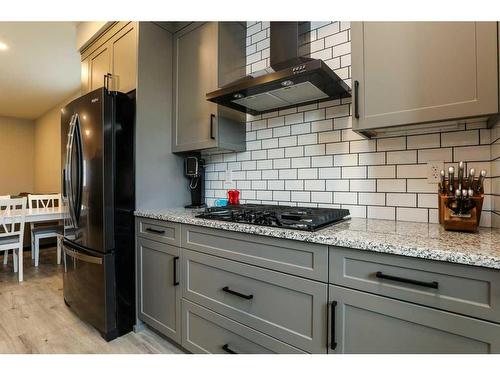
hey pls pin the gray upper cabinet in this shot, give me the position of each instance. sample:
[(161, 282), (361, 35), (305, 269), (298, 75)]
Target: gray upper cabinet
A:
[(207, 56), (422, 72)]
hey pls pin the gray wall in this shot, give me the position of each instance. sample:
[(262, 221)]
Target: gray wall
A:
[(160, 180)]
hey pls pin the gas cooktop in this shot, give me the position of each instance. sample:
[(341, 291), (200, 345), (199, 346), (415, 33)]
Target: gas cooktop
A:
[(302, 218)]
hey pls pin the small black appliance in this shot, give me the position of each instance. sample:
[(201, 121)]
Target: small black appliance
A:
[(194, 171)]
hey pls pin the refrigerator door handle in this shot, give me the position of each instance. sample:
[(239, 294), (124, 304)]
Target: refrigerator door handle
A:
[(79, 167), (82, 257), (69, 166)]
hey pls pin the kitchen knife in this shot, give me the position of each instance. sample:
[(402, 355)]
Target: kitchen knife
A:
[(470, 179), (470, 193), (480, 181), (441, 175), (460, 174), (451, 180)]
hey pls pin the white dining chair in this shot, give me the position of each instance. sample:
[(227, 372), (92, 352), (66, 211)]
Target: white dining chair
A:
[(12, 219), (44, 231), (6, 252)]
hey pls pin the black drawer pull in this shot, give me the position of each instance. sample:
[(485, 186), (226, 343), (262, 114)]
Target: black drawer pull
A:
[(156, 231), (175, 271), (241, 295), (225, 347), (333, 344), (432, 284), (212, 118), (356, 96)]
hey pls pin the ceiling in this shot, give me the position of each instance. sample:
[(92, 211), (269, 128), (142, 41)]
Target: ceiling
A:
[(40, 68)]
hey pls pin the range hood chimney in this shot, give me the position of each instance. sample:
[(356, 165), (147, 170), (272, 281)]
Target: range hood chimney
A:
[(291, 79)]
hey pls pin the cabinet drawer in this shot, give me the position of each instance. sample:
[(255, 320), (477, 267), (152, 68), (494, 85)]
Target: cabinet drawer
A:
[(286, 307), (294, 257), (157, 230), (369, 324), (463, 289), (205, 331)]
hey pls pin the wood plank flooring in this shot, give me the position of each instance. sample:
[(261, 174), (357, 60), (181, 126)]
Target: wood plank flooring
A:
[(34, 318)]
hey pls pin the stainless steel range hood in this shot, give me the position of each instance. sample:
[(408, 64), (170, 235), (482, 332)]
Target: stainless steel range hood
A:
[(291, 80)]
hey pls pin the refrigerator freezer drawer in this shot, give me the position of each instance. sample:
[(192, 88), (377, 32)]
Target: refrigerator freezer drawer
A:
[(89, 287)]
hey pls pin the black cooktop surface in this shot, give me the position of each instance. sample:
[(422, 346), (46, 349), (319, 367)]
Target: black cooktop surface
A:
[(302, 218)]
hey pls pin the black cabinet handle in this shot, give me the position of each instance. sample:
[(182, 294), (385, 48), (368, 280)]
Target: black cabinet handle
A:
[(175, 271), (432, 284), (212, 117), (356, 95), (333, 344), (156, 231), (225, 347), (241, 295)]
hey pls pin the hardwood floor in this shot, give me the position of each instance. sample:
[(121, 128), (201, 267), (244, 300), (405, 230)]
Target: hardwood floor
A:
[(34, 318)]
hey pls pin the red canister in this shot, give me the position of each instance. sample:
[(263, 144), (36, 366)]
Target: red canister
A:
[(233, 197)]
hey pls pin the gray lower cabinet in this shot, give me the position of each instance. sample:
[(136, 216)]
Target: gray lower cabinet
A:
[(288, 308), (158, 294), (205, 331), (366, 323), (467, 290)]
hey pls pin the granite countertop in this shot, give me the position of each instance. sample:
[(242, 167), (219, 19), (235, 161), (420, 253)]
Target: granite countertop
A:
[(420, 240)]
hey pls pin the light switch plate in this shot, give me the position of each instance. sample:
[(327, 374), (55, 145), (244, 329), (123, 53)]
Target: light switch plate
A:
[(433, 171)]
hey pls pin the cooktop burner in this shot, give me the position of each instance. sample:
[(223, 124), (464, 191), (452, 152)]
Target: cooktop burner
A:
[(302, 218)]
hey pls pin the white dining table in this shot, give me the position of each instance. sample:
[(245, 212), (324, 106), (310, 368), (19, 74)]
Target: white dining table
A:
[(33, 215)]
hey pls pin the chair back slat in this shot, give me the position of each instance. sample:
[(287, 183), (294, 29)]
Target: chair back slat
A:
[(44, 200), (12, 216)]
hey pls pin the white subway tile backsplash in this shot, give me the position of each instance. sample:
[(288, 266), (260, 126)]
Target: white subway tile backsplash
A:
[(401, 199), (390, 144), (460, 138), (412, 214), (372, 158), (353, 172), (437, 154), (345, 160), (401, 157), (383, 213), (391, 185), (382, 171), (309, 155), (423, 141), (472, 153), (376, 199), (337, 185)]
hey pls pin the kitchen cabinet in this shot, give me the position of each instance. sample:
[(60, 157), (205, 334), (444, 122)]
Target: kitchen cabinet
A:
[(115, 53), (207, 56), (422, 72), (159, 296), (365, 323)]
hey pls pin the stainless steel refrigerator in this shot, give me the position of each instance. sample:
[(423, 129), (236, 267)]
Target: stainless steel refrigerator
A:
[(97, 135)]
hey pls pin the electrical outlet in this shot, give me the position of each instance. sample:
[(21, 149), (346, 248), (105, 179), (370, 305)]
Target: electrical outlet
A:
[(434, 171)]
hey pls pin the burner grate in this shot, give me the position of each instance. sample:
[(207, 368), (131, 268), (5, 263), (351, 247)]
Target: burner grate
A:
[(301, 218)]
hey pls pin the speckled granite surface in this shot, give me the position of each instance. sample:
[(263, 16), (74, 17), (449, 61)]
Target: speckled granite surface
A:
[(428, 241)]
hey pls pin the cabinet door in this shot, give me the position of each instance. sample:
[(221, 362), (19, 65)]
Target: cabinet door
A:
[(124, 58), (366, 323), (195, 74), (84, 76), (417, 72), (99, 66), (158, 291)]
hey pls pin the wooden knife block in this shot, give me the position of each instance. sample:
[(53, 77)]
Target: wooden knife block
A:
[(462, 224)]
